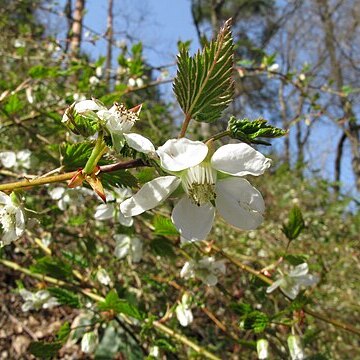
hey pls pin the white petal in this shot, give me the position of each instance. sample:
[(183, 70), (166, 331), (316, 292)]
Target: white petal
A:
[(184, 315), (136, 249), (187, 270), (57, 193), (139, 143), (125, 221), (122, 247), (180, 154), (239, 160), (87, 105), (307, 280), (104, 212), (300, 270), (150, 195), (274, 285), (8, 159), (290, 290), (193, 222), (5, 199), (240, 204), (19, 222)]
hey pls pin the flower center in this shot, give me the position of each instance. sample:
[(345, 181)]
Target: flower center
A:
[(199, 183), (124, 117), (8, 218)]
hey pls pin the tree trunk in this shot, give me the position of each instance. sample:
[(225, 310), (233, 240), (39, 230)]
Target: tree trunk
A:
[(76, 29), (109, 37), (352, 131)]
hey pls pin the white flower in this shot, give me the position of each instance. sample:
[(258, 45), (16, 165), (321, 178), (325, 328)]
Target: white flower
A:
[(118, 121), (291, 284), (79, 97), (19, 43), (89, 342), (262, 346), (103, 277), (206, 269), (62, 195), (29, 95), (37, 300), (128, 245), (183, 311), (139, 82), (111, 209), (21, 159), (154, 352), (99, 71), (93, 80), (273, 67), (295, 348), (12, 219), (131, 82), (209, 182)]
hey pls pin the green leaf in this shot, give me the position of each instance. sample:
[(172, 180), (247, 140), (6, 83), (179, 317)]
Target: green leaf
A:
[(162, 247), (53, 267), (241, 308), (256, 320), (65, 297), (164, 226), (203, 85), (75, 156), (249, 131), (64, 332), (44, 350), (122, 178), (295, 224), (120, 306), (296, 259), (13, 104)]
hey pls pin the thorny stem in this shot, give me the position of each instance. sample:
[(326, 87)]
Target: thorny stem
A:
[(162, 328), (67, 176)]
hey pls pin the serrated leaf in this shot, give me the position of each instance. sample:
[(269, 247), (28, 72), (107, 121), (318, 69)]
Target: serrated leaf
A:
[(75, 156), (120, 306), (13, 104), (164, 226), (64, 332), (203, 85), (162, 247), (241, 308), (122, 178), (53, 267), (256, 321), (295, 224), (65, 297), (249, 131), (44, 350)]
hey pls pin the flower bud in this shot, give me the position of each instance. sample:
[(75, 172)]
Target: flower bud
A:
[(295, 347), (262, 346)]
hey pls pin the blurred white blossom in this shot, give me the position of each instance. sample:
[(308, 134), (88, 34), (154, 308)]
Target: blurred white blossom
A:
[(262, 346), (183, 311), (93, 80), (89, 342), (292, 283), (103, 277), (128, 246), (111, 209), (41, 299), (12, 218), (16, 160), (295, 347), (206, 269)]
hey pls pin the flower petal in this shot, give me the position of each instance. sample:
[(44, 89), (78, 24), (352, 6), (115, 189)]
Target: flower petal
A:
[(150, 195), (8, 159), (299, 270), (193, 222), (239, 203), (274, 285), (104, 212), (122, 247), (139, 143), (180, 154), (125, 221), (87, 105), (239, 160)]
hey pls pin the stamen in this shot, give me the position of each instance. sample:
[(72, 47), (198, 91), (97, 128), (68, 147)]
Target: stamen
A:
[(199, 183)]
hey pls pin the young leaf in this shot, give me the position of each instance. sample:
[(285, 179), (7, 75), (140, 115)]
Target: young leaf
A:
[(64, 332), (65, 297), (120, 306), (75, 156), (256, 320), (53, 267), (203, 85), (162, 247), (164, 226), (295, 224), (249, 131)]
